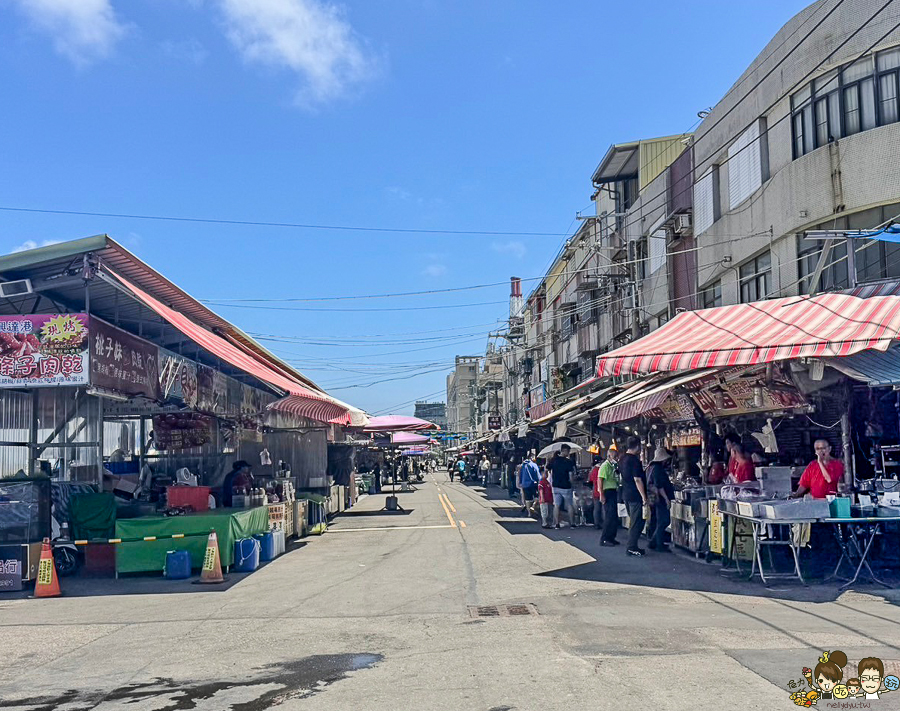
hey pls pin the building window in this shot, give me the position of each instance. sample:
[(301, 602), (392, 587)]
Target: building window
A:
[(857, 97), (745, 165), (711, 296), (755, 276), (705, 200)]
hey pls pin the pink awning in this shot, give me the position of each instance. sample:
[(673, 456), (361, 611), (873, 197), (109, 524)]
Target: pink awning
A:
[(409, 438), (305, 402), (398, 423), (828, 325)]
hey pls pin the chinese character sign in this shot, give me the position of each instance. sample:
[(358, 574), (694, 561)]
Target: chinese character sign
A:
[(122, 362), (43, 350)]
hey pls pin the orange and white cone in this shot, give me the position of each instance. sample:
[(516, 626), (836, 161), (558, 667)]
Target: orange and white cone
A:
[(212, 565), (47, 584)]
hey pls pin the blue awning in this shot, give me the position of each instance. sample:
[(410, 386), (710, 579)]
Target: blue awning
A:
[(875, 368)]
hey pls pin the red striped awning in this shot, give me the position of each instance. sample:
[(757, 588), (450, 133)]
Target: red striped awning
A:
[(830, 325), (304, 402), (633, 408)]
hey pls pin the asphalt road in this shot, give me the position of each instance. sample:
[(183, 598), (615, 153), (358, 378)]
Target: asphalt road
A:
[(382, 612)]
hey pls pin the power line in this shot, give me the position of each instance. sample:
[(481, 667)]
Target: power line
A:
[(291, 225), (404, 308)]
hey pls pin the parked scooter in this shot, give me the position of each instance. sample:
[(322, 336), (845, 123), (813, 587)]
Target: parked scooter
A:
[(65, 553)]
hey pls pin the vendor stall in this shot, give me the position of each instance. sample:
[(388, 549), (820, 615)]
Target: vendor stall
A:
[(136, 554)]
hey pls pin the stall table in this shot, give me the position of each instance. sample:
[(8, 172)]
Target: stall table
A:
[(142, 556), (856, 544), (758, 526)]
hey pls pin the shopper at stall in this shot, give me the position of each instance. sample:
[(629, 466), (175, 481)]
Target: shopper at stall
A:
[(608, 483), (821, 476), (634, 493), (594, 479), (238, 479), (731, 439), (662, 493), (562, 470), (744, 469), (527, 482)]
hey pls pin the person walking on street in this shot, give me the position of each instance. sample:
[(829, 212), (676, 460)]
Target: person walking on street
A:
[(593, 478), (634, 493), (485, 468), (461, 469), (529, 476), (608, 485), (545, 498), (562, 469), (661, 495)]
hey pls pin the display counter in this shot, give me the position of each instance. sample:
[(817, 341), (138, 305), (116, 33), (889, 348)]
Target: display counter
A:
[(230, 525)]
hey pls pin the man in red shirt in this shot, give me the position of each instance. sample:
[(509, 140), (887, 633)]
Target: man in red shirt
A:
[(821, 477)]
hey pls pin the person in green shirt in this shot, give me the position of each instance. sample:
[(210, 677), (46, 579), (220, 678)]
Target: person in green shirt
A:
[(608, 486)]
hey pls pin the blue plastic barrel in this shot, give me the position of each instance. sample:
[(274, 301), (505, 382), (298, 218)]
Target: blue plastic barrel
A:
[(178, 565), (246, 555), (266, 546)]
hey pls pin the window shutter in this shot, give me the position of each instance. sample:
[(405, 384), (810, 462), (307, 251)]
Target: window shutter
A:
[(744, 166), (656, 251)]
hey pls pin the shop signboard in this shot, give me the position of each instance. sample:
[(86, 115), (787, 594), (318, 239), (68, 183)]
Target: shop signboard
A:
[(177, 378), (716, 537), (44, 350), (181, 430), (720, 397), (123, 363), (11, 567), (212, 391), (675, 408), (495, 422)]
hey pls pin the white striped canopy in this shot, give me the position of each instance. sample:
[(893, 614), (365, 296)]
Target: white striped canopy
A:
[(827, 325)]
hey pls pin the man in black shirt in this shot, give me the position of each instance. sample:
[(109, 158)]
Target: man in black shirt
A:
[(634, 493), (561, 469)]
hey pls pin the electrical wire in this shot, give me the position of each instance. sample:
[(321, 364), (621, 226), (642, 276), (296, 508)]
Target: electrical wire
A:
[(292, 225)]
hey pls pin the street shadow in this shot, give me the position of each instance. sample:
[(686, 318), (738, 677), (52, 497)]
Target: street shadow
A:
[(378, 512), (679, 570)]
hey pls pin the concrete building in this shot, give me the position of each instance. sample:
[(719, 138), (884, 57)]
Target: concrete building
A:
[(435, 412), (807, 138), (461, 395)]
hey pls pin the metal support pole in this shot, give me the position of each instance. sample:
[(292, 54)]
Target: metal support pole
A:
[(846, 447)]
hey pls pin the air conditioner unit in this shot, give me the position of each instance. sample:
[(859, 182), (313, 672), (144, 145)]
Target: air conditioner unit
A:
[(683, 224), (21, 287)]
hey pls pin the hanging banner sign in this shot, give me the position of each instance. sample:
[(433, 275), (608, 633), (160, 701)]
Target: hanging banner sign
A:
[(122, 362), (43, 350), (177, 378)]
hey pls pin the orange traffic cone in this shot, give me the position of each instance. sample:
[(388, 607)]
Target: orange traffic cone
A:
[(47, 583), (212, 566)]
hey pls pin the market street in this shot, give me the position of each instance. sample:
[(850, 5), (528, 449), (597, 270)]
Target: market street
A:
[(375, 614)]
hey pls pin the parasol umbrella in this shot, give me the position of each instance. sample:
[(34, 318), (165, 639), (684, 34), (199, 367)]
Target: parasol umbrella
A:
[(555, 447), (465, 454)]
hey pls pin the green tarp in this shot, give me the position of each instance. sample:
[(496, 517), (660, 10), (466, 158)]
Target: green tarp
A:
[(92, 515), (230, 525)]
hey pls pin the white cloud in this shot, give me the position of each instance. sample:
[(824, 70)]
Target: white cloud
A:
[(189, 51), (32, 244), (311, 38), (398, 192), (513, 248), (82, 30), (434, 270)]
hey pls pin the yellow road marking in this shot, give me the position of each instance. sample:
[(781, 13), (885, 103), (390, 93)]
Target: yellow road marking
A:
[(447, 511), (462, 524), (447, 499)]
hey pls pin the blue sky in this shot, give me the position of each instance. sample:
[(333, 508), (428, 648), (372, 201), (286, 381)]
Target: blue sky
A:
[(413, 114)]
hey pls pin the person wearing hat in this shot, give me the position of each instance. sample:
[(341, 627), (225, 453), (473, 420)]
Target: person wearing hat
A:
[(660, 494), (608, 487)]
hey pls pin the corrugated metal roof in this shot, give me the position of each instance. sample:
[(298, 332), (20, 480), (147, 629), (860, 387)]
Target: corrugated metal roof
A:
[(53, 259), (872, 367)]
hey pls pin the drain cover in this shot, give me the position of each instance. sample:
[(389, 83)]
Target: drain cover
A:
[(515, 610)]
